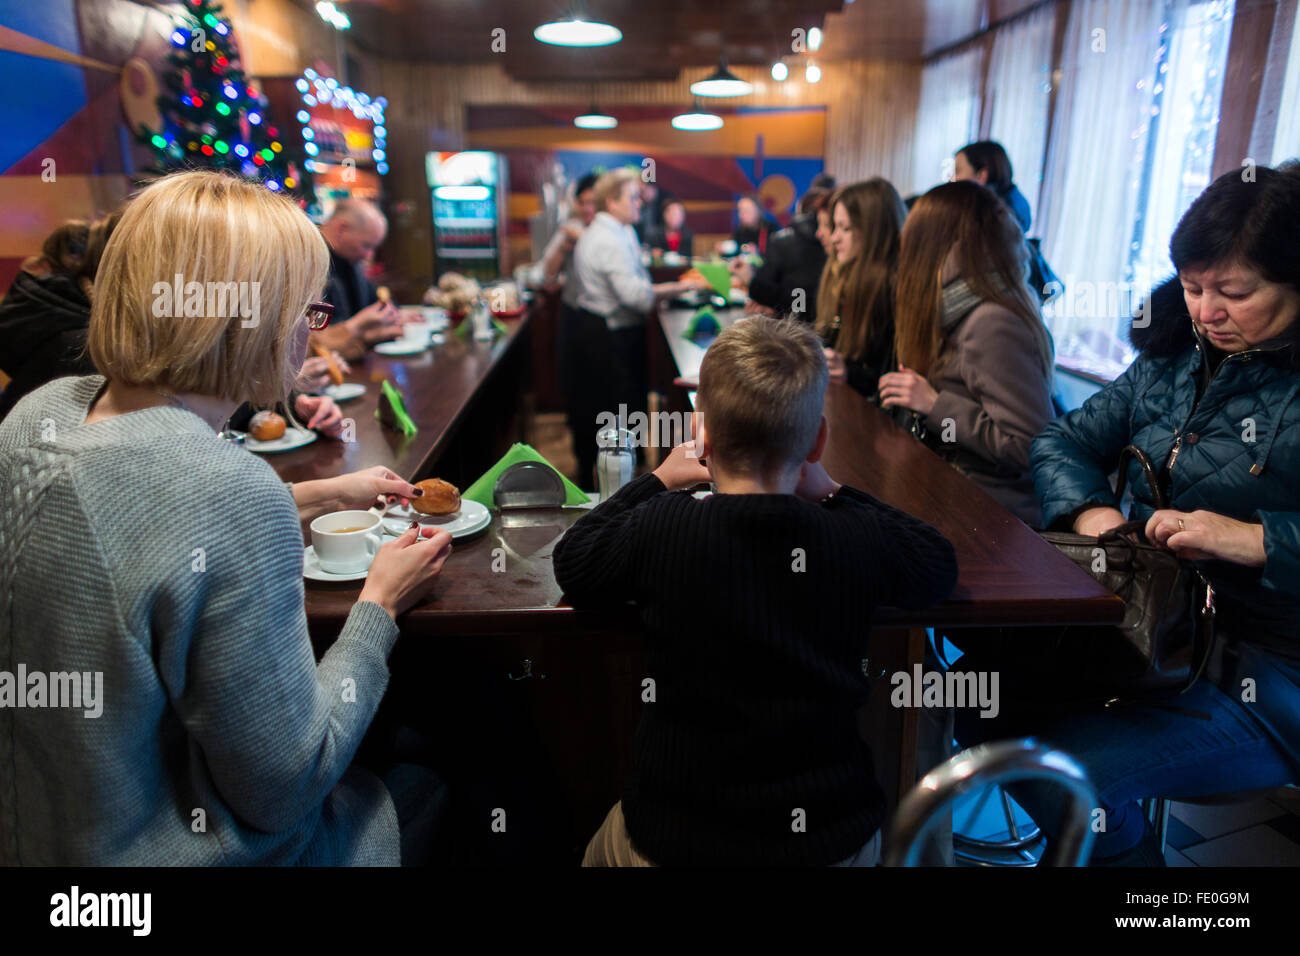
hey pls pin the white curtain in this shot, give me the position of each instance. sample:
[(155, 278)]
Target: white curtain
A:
[(1017, 95), (1286, 141), (1190, 91), (947, 117), (1097, 150)]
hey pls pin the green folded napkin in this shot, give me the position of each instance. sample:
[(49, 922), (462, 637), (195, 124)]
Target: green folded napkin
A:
[(718, 275), (482, 490), (392, 410), (467, 323), (703, 322)]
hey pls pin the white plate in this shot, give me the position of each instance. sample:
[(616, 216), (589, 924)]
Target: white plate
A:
[(471, 519), (401, 347), (292, 438), (345, 392), (312, 570)]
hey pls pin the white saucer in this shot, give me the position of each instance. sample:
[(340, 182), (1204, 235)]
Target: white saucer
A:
[(312, 570), (345, 392), (401, 347), (471, 519), (292, 438)]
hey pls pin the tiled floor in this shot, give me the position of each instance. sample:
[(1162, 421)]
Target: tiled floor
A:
[(1262, 832)]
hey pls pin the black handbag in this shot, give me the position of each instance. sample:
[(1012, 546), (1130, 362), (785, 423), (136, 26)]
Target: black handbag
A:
[(1167, 635)]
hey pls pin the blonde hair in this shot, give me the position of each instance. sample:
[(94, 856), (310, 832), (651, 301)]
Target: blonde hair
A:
[(611, 184), (762, 388), (219, 231)]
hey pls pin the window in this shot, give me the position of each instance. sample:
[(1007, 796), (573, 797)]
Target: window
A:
[(1179, 140), (1017, 95), (1132, 146), (947, 115), (1286, 141)]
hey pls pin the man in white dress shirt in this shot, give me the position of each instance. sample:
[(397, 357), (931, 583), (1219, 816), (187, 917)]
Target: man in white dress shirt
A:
[(614, 296)]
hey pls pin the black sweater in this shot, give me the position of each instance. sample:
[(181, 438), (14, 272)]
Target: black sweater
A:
[(794, 262), (43, 323), (757, 610)]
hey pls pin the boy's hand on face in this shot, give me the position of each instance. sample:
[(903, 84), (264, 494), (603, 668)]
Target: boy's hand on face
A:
[(682, 469), (814, 483)]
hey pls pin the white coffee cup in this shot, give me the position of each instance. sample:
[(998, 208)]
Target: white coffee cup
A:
[(417, 332), (346, 552)]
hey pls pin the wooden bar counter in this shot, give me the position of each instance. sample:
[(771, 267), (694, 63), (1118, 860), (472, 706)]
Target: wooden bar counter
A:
[(514, 677)]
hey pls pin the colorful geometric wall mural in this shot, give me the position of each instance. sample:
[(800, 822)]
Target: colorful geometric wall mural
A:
[(67, 152), (772, 152)]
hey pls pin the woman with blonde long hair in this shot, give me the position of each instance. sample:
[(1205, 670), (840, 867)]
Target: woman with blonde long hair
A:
[(180, 588), (975, 360), (855, 302)]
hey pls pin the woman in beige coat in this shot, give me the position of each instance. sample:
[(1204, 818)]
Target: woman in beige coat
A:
[(975, 362)]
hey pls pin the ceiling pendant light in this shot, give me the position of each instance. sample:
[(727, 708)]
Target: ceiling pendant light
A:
[(813, 73), (696, 121), (578, 32), (595, 120), (780, 71), (721, 82)]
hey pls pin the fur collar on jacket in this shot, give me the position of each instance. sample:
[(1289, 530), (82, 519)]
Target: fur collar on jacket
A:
[(1169, 331)]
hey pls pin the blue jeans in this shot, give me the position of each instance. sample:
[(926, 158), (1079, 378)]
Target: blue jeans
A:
[(1132, 752)]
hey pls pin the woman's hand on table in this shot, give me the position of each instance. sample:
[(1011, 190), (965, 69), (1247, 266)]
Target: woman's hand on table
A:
[(835, 365), (1203, 535), (1097, 521), (908, 389), (355, 491), (682, 469), (320, 412), (404, 570)]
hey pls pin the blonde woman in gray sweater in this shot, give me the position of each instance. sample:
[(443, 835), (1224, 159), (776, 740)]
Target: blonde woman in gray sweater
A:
[(164, 566)]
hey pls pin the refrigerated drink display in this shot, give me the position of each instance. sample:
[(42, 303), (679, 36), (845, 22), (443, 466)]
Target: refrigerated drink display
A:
[(468, 199)]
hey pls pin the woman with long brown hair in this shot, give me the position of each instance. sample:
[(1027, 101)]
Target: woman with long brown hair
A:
[(975, 360), (855, 302)]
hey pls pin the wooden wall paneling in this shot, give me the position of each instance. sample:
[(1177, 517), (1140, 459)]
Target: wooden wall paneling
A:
[(1252, 30)]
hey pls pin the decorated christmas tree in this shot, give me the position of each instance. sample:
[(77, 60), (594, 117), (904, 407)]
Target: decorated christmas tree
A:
[(212, 117)]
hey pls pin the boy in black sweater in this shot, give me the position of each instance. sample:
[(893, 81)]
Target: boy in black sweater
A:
[(757, 602)]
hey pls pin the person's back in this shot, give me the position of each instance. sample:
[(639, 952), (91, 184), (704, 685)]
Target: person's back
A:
[(793, 265), (178, 597), (757, 603), (43, 323)]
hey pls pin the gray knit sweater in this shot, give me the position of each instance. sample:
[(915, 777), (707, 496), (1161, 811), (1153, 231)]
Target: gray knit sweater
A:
[(145, 548)]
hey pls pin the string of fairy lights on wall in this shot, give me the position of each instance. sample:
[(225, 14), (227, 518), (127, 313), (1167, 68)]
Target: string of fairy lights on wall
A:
[(320, 90)]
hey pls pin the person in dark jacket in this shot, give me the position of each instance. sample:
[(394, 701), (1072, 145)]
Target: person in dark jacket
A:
[(361, 319), (788, 280), (44, 317), (987, 163), (672, 235), (753, 227), (855, 298), (1214, 400)]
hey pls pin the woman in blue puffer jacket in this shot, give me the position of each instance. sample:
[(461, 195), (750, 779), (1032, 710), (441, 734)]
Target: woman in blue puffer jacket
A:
[(1214, 401)]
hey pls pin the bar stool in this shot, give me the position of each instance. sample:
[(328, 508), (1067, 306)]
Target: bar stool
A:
[(1018, 850), (1003, 762)]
